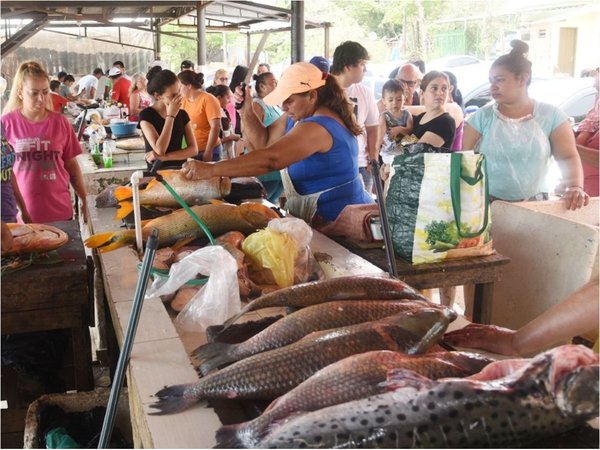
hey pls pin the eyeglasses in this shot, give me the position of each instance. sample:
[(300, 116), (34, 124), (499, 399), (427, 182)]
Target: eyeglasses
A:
[(409, 82)]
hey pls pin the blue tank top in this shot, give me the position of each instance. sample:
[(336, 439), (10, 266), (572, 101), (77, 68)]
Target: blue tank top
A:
[(337, 167)]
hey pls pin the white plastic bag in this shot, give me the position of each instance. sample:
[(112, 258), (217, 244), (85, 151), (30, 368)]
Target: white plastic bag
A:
[(218, 299)]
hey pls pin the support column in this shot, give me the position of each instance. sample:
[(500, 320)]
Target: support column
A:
[(297, 31), (201, 34)]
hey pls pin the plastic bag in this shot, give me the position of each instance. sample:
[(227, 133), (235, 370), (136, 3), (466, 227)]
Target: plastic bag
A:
[(283, 248), (218, 300)]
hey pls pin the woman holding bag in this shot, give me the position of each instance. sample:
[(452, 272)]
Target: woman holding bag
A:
[(518, 136)]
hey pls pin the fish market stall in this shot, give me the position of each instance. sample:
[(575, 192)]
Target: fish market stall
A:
[(352, 337), (160, 356)]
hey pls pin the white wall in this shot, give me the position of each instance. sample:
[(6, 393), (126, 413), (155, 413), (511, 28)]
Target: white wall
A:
[(543, 52)]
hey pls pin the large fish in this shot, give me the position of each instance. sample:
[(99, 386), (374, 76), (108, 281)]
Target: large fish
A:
[(352, 378), (295, 326), (552, 393), (34, 238), (341, 288), (179, 227), (196, 192), (272, 373)]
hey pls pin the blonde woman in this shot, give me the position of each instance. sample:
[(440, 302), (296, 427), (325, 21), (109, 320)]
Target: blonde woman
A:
[(221, 78), (139, 99), (45, 145)]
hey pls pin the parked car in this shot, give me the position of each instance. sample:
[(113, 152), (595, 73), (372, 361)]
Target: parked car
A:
[(575, 96), (449, 62)]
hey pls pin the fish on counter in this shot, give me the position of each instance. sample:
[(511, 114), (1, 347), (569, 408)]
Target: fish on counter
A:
[(179, 228), (272, 373), (550, 394), (351, 378), (323, 316), (34, 238), (359, 287), (196, 192)]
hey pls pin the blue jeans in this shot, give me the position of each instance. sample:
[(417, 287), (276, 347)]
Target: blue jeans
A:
[(367, 178), (217, 154)]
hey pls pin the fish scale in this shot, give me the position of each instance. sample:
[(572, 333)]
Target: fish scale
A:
[(342, 288), (273, 373), (300, 323), (355, 377), (420, 413)]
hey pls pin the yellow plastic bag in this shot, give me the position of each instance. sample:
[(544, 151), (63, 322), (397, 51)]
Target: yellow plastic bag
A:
[(270, 249)]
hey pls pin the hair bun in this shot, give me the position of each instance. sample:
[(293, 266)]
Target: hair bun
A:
[(519, 47), (152, 72)]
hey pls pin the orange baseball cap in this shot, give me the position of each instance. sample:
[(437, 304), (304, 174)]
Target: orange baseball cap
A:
[(296, 79)]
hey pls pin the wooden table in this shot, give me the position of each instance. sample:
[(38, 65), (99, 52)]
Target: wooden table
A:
[(53, 297), (49, 297), (481, 271)]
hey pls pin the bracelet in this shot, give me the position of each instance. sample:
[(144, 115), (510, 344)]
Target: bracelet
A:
[(572, 188), (170, 116)]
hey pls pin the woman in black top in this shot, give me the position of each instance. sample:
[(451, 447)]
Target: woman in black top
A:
[(164, 124), (435, 126)]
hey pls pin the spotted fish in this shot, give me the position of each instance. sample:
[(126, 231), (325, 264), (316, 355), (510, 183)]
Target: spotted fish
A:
[(352, 378), (549, 394)]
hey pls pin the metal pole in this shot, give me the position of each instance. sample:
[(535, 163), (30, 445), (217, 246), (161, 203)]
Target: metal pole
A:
[(297, 31), (136, 309), (385, 226), (201, 33)]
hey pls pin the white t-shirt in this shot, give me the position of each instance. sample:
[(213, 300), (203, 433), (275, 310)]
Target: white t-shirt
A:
[(87, 82), (367, 115)]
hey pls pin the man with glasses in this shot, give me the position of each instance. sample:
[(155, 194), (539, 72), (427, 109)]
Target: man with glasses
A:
[(410, 76)]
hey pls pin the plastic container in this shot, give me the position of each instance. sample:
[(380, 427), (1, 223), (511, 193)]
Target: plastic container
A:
[(107, 153), (123, 129)]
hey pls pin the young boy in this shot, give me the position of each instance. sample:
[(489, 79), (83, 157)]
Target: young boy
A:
[(394, 123), (58, 101)]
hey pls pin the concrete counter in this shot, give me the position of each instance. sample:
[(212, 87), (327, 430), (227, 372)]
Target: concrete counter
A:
[(159, 355)]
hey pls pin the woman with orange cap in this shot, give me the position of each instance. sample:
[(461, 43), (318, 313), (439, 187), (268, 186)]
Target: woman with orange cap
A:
[(317, 157)]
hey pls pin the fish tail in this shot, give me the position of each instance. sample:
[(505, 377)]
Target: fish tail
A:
[(111, 240), (125, 208), (214, 355), (123, 193), (173, 399), (228, 436)]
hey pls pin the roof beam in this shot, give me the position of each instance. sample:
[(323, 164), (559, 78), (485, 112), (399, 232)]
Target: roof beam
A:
[(23, 34)]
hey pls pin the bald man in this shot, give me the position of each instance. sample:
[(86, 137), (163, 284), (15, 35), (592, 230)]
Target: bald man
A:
[(410, 75)]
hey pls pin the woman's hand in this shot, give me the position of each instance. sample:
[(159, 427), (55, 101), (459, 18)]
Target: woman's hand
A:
[(575, 197), (196, 170), (174, 105), (485, 337)]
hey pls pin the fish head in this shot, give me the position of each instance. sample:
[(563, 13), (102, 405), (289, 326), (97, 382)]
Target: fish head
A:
[(426, 326), (577, 392), (257, 214)]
